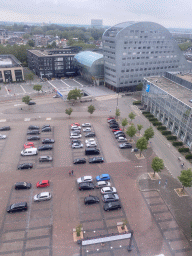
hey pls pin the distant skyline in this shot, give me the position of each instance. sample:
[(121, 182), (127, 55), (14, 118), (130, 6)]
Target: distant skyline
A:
[(168, 13)]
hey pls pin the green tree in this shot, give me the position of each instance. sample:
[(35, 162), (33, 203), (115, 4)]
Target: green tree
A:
[(131, 131), (68, 111), (139, 127), (74, 94), (31, 43), (149, 133), (117, 113), (91, 109), (124, 123), (186, 178), (139, 87), (26, 99), (157, 165), (37, 87), (141, 144), (29, 76), (132, 116)]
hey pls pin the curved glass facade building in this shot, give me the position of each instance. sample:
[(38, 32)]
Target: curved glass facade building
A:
[(133, 50)]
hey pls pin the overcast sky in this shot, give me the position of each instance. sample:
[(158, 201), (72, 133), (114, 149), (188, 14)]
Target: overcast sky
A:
[(169, 13)]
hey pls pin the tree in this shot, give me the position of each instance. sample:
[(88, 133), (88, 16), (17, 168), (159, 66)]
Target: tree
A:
[(31, 43), (139, 87), (117, 113), (68, 111), (91, 109), (139, 127), (132, 116), (141, 144), (29, 76), (124, 123), (26, 99), (149, 133), (131, 130), (74, 94), (37, 87), (157, 165), (186, 178)]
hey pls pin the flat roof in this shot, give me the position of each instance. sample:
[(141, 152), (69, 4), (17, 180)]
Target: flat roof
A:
[(178, 91), (46, 53), (187, 77)]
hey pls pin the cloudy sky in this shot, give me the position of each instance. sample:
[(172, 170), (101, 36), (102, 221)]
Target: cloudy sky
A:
[(169, 13)]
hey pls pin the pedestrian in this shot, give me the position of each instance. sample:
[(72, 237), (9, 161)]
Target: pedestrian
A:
[(182, 165), (69, 173), (72, 172)]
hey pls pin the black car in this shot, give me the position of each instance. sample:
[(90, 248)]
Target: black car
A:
[(22, 185), (25, 166), (120, 135), (94, 160), (112, 206), (5, 128), (33, 132), (79, 161), (110, 198), (114, 127), (117, 132), (33, 127), (86, 186), (31, 138), (45, 159), (46, 129), (76, 141), (91, 199), (46, 125), (31, 103), (45, 147), (17, 207), (112, 121), (47, 141), (125, 145), (90, 134)]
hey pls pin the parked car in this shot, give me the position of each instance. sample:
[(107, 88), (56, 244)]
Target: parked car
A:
[(121, 139), (90, 134), (29, 145), (29, 152), (90, 140), (75, 141), (45, 125), (2, 137), (125, 145), (33, 138), (134, 150), (44, 196), (75, 132), (86, 186), (31, 103), (92, 151), (22, 185), (116, 130), (79, 161), (108, 190), (45, 147), (91, 199), (103, 177), (111, 120), (30, 132), (33, 127), (25, 166), (86, 125), (46, 129), (88, 129), (110, 117), (5, 128), (84, 179), (74, 127), (110, 198), (112, 206), (43, 184), (114, 126), (77, 145), (95, 160), (56, 96), (91, 144), (101, 184), (120, 135), (45, 159), (75, 124), (47, 141), (17, 207), (75, 136)]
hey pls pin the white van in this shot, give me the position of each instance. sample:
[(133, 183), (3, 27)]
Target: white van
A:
[(29, 152)]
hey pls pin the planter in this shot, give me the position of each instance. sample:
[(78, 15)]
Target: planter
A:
[(140, 157), (75, 237), (180, 192), (156, 177), (119, 228)]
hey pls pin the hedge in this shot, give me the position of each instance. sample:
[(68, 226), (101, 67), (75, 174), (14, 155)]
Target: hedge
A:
[(138, 102), (188, 156), (157, 123), (153, 119), (149, 116), (177, 143), (163, 128), (145, 112), (166, 132), (183, 149), (171, 137)]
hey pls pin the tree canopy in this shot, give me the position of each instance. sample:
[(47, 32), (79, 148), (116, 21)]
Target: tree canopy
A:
[(68, 111), (124, 122), (186, 178), (91, 109), (74, 94), (37, 87), (117, 113), (26, 99), (141, 144), (149, 133), (131, 131), (132, 116), (139, 127), (157, 164), (29, 76)]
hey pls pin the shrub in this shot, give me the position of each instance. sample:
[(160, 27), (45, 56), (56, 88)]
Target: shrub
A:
[(188, 156), (156, 123), (171, 137), (145, 112), (183, 149), (162, 128), (153, 119), (149, 116), (166, 132), (177, 143), (138, 102)]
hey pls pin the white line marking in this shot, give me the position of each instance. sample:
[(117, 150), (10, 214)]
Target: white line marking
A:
[(22, 88), (78, 82), (65, 83), (18, 105), (27, 119), (6, 90), (48, 118), (3, 120), (138, 166)]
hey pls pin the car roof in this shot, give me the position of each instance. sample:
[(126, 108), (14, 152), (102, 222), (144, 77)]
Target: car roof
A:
[(87, 177), (107, 188), (44, 181), (20, 183), (101, 182), (105, 174), (44, 193), (20, 204)]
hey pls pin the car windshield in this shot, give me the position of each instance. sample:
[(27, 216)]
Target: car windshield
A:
[(110, 205), (101, 176), (40, 182), (13, 206), (25, 183)]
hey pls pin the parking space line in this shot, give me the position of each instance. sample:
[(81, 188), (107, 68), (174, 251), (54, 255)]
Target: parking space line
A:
[(78, 82), (27, 119), (7, 90), (3, 120), (65, 83), (22, 88), (48, 118)]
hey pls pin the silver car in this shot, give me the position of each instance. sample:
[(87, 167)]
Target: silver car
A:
[(87, 129), (2, 137), (44, 196), (77, 145), (103, 183), (86, 125), (84, 179), (91, 144), (108, 190)]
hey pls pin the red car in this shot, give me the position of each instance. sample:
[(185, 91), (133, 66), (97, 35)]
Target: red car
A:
[(43, 183), (116, 129), (77, 124), (29, 145), (109, 118)]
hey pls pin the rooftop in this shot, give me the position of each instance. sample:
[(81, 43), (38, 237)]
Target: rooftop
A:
[(48, 53), (7, 61), (87, 58), (187, 77)]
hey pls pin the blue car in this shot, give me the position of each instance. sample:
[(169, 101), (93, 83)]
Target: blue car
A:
[(103, 177)]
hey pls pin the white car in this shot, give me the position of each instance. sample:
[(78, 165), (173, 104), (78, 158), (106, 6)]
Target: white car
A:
[(91, 144), (75, 136), (90, 140), (86, 125), (2, 137), (77, 145), (87, 129), (103, 183), (75, 132), (108, 190), (42, 197), (74, 127), (121, 139), (84, 179)]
